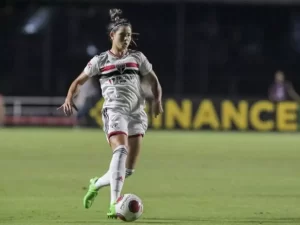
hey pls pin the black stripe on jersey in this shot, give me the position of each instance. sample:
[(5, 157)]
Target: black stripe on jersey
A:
[(117, 73)]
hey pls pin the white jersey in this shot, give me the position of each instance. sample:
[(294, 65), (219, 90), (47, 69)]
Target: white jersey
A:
[(120, 79)]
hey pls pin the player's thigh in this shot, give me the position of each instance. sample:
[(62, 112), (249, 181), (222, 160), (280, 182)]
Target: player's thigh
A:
[(115, 126), (138, 124), (137, 127)]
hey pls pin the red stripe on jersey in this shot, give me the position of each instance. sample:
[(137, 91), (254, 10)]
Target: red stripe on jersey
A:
[(106, 68), (111, 67), (130, 64)]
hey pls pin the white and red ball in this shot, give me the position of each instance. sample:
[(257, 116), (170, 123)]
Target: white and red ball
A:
[(129, 207)]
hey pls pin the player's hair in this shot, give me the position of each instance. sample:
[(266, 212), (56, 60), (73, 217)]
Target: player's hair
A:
[(116, 21)]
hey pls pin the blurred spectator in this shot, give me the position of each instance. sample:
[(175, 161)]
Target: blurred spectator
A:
[(88, 94), (2, 111), (282, 90)]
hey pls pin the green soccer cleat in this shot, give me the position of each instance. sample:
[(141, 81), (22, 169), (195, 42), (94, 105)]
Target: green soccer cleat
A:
[(91, 194), (112, 212)]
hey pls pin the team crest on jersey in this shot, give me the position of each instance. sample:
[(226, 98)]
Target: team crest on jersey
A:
[(121, 67)]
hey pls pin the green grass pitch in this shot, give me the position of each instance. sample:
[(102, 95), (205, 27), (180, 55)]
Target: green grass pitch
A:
[(200, 178)]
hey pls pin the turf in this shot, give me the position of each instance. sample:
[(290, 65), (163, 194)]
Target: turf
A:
[(183, 178)]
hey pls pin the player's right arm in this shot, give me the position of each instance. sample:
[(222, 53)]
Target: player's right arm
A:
[(91, 69)]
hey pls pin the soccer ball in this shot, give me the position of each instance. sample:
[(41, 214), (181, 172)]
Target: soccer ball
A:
[(129, 207)]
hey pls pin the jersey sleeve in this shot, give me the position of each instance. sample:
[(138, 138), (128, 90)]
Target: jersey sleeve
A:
[(145, 65), (92, 68)]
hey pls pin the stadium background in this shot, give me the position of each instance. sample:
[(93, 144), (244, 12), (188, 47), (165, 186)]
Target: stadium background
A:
[(200, 50), (215, 60)]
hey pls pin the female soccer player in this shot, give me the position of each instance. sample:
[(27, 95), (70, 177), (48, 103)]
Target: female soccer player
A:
[(120, 71)]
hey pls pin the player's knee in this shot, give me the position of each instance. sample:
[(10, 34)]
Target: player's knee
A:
[(129, 172), (118, 140)]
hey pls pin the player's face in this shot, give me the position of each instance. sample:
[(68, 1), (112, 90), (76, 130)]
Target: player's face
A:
[(122, 37)]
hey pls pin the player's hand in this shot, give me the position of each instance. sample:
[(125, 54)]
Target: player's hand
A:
[(157, 108), (67, 107)]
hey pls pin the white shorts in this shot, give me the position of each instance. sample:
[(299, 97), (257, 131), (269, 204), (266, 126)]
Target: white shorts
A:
[(115, 122)]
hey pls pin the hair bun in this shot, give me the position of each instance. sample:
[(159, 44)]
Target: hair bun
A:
[(115, 14)]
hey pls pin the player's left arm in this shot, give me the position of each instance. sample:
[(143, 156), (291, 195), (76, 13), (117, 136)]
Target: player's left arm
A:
[(293, 94), (156, 91), (155, 85), (148, 74)]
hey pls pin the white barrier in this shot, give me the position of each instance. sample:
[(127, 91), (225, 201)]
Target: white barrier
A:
[(39, 111)]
